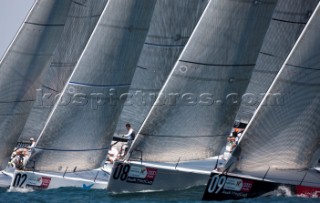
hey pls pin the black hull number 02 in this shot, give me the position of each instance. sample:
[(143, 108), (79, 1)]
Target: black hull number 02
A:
[(19, 180)]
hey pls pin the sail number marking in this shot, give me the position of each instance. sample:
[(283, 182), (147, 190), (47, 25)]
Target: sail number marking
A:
[(121, 171), (19, 180), (216, 184)]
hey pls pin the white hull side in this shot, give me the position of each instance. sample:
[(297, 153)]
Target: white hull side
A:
[(146, 177), (95, 179), (5, 179)]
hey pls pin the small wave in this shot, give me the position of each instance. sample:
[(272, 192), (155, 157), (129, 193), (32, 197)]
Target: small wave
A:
[(22, 190), (284, 191)]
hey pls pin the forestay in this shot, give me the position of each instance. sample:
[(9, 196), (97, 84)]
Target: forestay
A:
[(78, 134), (288, 20), (171, 26), (22, 65), (82, 18), (195, 109), (284, 134)]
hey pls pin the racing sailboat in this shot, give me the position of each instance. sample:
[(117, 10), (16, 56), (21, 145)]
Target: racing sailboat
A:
[(20, 70), (187, 126), (280, 148), (76, 136)]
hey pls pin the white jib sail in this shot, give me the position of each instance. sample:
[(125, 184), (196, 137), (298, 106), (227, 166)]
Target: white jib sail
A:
[(284, 132), (288, 21), (79, 130), (197, 105), (170, 28), (82, 19), (22, 65)]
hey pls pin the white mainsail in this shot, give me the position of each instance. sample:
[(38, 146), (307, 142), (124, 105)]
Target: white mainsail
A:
[(22, 65), (82, 18), (170, 28), (288, 21), (286, 135), (195, 110), (78, 133)]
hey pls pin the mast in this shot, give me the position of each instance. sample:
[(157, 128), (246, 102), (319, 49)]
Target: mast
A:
[(78, 133), (22, 65), (171, 26), (82, 19), (195, 109)]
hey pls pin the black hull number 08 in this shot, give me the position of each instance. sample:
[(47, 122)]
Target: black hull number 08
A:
[(121, 171)]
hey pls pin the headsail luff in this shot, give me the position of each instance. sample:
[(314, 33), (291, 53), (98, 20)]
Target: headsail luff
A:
[(191, 117), (288, 21), (82, 18), (78, 134), (284, 133), (170, 28), (22, 65)]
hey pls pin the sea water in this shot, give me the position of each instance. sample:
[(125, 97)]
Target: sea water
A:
[(75, 195)]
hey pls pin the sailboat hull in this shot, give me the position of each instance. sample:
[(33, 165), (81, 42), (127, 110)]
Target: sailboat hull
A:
[(148, 177), (227, 187), (95, 179), (5, 179)]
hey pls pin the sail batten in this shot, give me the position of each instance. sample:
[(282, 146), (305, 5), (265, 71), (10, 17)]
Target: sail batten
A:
[(75, 127), (22, 65), (200, 95)]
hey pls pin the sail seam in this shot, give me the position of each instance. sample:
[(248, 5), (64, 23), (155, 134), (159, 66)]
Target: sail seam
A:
[(211, 64), (14, 114), (209, 79), (265, 71), (144, 89), (124, 27), (78, 3), (264, 53), (163, 45), (46, 25), (84, 17), (72, 150), (29, 53), (287, 21), (56, 65), (299, 83), (5, 102), (49, 88), (181, 136), (302, 67), (141, 67), (93, 85)]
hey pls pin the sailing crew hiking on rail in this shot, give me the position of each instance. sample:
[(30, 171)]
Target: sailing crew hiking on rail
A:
[(21, 154), (117, 152)]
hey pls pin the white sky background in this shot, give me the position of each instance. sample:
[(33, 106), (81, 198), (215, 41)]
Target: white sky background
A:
[(12, 15)]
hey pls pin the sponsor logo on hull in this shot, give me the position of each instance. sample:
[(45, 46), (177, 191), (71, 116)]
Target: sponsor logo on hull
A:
[(134, 174), (30, 180), (224, 187)]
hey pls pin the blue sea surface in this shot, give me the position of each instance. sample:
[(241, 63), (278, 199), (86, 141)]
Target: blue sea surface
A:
[(75, 195)]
